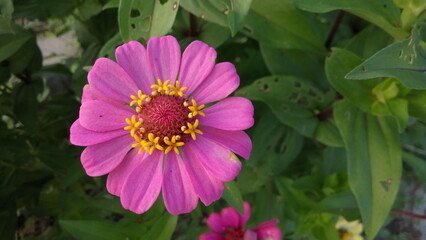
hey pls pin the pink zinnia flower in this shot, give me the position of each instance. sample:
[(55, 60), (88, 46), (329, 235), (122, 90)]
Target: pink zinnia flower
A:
[(145, 123), (229, 225)]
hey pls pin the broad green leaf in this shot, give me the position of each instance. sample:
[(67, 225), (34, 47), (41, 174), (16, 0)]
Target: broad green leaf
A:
[(233, 197), (267, 133), (89, 8), (163, 228), (383, 13), (404, 60), (288, 150), (337, 65), (6, 10), (280, 24), (364, 45), (293, 62), (213, 34), (292, 100), (145, 19), (417, 164), (294, 196), (227, 13), (108, 50), (42, 9), (328, 134), (10, 43), (417, 104), (93, 230), (374, 162)]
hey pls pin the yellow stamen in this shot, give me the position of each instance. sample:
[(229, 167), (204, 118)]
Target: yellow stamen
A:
[(196, 110), (177, 90), (160, 86), (173, 144), (133, 124), (139, 143), (192, 129), (138, 100), (185, 104), (152, 144)]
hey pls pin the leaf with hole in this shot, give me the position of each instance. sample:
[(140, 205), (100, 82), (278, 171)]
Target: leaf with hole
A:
[(404, 60), (145, 19), (292, 100), (227, 13), (374, 162)]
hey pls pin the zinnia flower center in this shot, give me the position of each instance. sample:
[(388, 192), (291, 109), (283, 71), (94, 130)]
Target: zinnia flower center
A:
[(235, 234), (164, 120)]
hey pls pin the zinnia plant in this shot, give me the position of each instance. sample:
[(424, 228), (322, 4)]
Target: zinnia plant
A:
[(229, 225), (155, 122)]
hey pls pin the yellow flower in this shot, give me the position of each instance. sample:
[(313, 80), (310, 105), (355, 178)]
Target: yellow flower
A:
[(349, 230)]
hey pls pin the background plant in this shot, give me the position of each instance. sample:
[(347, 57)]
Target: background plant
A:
[(340, 102)]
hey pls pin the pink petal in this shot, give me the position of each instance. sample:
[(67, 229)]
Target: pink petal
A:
[(210, 236), (221, 82), (214, 221), (250, 235), (81, 136), (269, 230), (216, 159), (236, 141), (101, 116), (271, 233), (102, 158), (207, 187), (178, 192), (247, 213), (270, 223), (111, 80), (133, 58), (231, 218), (164, 55), (235, 113), (198, 60), (143, 185), (89, 93), (118, 176)]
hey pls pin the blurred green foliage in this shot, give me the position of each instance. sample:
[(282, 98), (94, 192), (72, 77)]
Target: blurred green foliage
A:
[(324, 145)]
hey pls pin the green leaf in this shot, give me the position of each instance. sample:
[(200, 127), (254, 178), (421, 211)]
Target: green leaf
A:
[(404, 60), (293, 62), (10, 43), (279, 24), (337, 65), (6, 10), (417, 104), (294, 196), (89, 8), (417, 164), (163, 228), (233, 197), (227, 13), (213, 34), (93, 230), (383, 13), (374, 162), (145, 19), (328, 134), (292, 100)]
